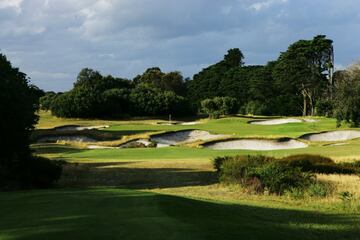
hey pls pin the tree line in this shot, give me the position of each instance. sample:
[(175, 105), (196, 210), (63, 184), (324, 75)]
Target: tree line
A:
[(300, 82)]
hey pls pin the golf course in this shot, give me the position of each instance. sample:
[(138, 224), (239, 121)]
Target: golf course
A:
[(179, 134), (173, 192)]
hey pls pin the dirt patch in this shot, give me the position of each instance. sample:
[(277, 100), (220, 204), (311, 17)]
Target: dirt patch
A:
[(257, 144), (342, 135), (173, 138)]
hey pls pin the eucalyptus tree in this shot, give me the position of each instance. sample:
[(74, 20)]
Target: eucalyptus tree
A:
[(305, 70)]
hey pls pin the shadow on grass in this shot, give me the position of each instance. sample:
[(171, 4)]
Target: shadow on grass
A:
[(52, 148), (132, 214), (115, 174)]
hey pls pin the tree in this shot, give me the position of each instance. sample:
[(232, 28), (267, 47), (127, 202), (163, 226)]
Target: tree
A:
[(46, 101), (347, 96), (234, 58), (18, 103), (154, 77), (219, 106), (305, 69), (205, 84)]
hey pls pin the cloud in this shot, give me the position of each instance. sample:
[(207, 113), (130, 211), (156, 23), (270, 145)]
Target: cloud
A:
[(13, 4), (262, 5), (125, 37)]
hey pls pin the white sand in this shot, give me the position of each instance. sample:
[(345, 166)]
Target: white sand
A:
[(99, 147), (277, 121), (79, 128), (66, 139), (332, 136), (190, 123), (184, 137), (257, 144)]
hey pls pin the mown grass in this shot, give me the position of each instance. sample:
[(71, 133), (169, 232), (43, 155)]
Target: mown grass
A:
[(347, 152), (173, 193), (131, 214)]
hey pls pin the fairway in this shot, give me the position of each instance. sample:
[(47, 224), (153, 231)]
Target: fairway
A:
[(173, 192), (119, 213)]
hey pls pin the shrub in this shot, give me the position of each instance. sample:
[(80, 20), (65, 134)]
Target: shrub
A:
[(43, 173), (278, 178), (318, 164), (319, 189), (218, 161), (260, 173)]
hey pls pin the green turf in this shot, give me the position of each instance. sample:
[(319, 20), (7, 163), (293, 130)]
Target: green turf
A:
[(108, 213), (351, 150), (131, 214), (238, 127)]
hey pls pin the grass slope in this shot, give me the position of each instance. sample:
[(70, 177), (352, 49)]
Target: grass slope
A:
[(131, 214)]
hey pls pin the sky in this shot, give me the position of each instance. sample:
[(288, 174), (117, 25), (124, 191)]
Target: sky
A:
[(52, 40)]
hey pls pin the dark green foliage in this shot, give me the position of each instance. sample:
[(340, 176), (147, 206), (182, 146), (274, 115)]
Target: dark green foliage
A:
[(206, 84), (325, 107), (347, 100), (303, 70), (293, 174), (17, 106), (150, 101), (42, 172), (260, 173), (154, 77), (219, 106), (318, 164), (18, 103), (95, 96), (234, 58), (46, 101)]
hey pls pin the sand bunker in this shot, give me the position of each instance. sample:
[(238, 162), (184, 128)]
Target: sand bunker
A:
[(79, 128), (283, 121), (277, 121), (332, 136), (65, 139), (99, 147), (257, 144), (188, 136), (136, 144), (190, 123)]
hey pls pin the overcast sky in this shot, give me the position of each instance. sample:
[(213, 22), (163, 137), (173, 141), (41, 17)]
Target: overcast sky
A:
[(52, 40)]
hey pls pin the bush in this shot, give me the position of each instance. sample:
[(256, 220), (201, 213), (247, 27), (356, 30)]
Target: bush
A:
[(36, 172), (260, 173), (318, 164), (43, 173), (293, 174), (319, 189)]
